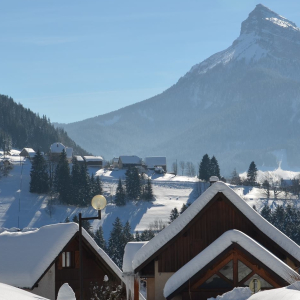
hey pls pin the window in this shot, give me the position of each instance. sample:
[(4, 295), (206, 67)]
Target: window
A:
[(67, 260), (227, 270), (215, 282), (243, 271)]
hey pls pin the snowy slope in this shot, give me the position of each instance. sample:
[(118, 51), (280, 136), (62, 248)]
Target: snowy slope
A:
[(241, 104), (19, 208)]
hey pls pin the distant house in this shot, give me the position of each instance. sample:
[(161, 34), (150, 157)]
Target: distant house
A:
[(153, 162), (127, 161), (287, 183), (79, 159), (115, 162), (28, 153), (217, 244), (57, 148), (42, 260), (93, 161)]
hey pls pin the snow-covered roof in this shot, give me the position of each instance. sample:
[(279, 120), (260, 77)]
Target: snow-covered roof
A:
[(217, 247), (25, 256), (291, 292), (29, 150), (93, 158), (57, 148), (153, 161), (9, 292), (183, 220), (130, 250), (79, 158), (130, 159)]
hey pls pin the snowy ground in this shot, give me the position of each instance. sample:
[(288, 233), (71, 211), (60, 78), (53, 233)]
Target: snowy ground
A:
[(19, 208)]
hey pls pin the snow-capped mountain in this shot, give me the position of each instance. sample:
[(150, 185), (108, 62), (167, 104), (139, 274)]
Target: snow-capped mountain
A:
[(240, 104)]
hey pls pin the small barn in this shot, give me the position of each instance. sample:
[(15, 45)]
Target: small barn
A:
[(153, 162), (127, 161), (42, 260), (217, 244), (93, 161), (57, 148), (28, 153)]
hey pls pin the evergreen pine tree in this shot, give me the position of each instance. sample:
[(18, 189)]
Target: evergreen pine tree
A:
[(137, 237), (204, 168), (99, 239), (184, 207), (278, 218), (92, 186), (266, 213), (98, 187), (148, 192), (214, 169), (85, 186), (127, 236), (120, 198), (75, 219), (235, 178), (147, 235), (252, 174), (75, 182), (67, 220), (62, 180), (115, 243), (174, 215), (133, 183), (39, 178)]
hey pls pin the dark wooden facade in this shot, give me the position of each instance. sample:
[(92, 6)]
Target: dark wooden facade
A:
[(217, 217), (236, 258), (94, 268)]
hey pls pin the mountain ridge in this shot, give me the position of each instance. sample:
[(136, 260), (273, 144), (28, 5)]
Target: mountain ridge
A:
[(206, 111)]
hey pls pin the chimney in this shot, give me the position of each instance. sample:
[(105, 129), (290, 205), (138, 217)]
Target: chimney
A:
[(213, 179)]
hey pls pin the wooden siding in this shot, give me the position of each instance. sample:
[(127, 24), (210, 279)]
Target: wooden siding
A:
[(217, 217), (93, 271), (191, 290)]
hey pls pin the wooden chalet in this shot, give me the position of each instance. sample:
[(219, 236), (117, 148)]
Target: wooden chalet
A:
[(217, 244), (27, 152), (42, 260), (57, 148), (153, 162), (127, 161), (93, 161)]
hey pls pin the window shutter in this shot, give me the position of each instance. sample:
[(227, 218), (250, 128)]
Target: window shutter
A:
[(59, 262), (77, 259)]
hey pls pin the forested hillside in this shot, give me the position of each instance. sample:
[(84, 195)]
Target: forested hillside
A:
[(20, 127)]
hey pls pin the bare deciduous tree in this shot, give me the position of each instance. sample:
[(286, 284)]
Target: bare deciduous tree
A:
[(175, 167), (190, 169), (182, 166)]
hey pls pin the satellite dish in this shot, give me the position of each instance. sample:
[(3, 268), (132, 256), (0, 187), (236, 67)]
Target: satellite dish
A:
[(255, 285)]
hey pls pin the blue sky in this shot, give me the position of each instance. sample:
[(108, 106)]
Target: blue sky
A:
[(72, 60)]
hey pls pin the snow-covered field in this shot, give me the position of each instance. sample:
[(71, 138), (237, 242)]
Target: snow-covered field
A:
[(20, 208)]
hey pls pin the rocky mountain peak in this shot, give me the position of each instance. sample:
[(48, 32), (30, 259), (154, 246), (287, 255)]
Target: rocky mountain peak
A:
[(263, 18)]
